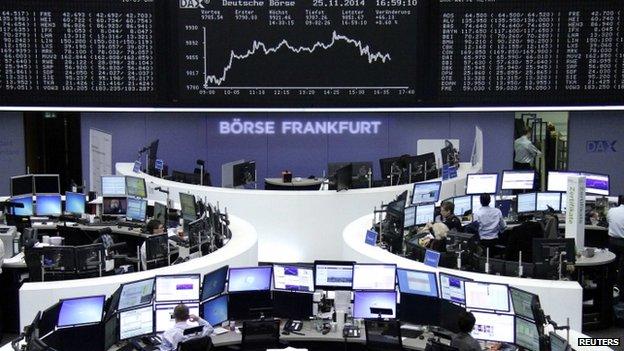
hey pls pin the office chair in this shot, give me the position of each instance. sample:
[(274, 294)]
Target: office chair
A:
[(203, 343), (383, 335), (260, 335)]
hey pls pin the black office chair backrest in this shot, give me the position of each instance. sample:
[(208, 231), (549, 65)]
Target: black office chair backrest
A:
[(383, 335), (260, 333), (438, 346), (203, 343)]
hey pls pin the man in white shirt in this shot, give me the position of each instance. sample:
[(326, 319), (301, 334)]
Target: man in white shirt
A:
[(172, 337), (615, 217), (525, 151), (491, 222)]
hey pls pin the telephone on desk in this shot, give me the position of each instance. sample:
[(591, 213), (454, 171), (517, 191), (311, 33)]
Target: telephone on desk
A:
[(351, 331), (293, 325)]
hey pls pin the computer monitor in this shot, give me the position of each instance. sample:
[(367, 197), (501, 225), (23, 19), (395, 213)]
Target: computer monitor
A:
[(137, 209), (48, 320), (250, 304), (160, 213), (136, 322), (564, 202), (558, 181), (333, 275), (25, 211), (557, 343), (419, 309), (156, 247), (372, 304), (75, 203), (462, 204), (487, 296), (344, 177), (423, 193), (424, 214), (383, 334), (396, 208), (188, 206), (113, 185), (135, 186), (547, 249), (292, 304), (417, 282), (476, 202), (526, 202), (293, 277), (523, 302), (114, 205), (22, 185), (59, 258), (493, 327), (596, 183), (374, 276), (244, 173), (80, 311), (90, 257), (482, 183), (546, 200), (47, 184), (137, 293), (453, 288), (518, 180), (214, 283), (215, 311), (180, 287), (48, 205), (409, 217), (165, 319), (249, 279), (526, 334)]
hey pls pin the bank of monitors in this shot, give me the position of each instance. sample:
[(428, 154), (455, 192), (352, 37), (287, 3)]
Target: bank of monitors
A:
[(372, 304), (48, 205), (546, 200), (160, 213), (136, 322), (164, 315), (182, 287), (526, 202), (493, 327), (139, 293), (293, 278), (485, 183), (187, 205), (333, 275), (114, 206), (47, 184), (214, 283), (453, 288), (523, 302), (374, 276), (487, 296), (22, 185), (81, 311), (424, 193), (526, 334), (27, 202), (215, 311), (547, 249), (113, 185), (462, 204), (249, 279), (137, 209), (75, 203), (417, 282), (518, 180), (135, 186)]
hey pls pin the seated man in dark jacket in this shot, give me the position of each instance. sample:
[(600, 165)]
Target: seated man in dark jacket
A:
[(521, 239)]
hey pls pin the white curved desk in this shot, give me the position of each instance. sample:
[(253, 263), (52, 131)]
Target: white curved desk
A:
[(295, 226), (241, 250)]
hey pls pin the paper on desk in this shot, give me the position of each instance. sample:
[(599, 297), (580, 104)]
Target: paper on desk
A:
[(220, 330)]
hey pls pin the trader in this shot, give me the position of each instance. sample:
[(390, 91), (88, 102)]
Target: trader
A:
[(615, 217), (491, 222), (463, 341), (525, 151), (448, 217), (172, 337)]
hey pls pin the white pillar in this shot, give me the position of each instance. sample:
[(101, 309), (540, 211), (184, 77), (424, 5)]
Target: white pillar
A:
[(575, 211)]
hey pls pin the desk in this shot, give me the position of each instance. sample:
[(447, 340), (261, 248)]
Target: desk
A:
[(301, 184)]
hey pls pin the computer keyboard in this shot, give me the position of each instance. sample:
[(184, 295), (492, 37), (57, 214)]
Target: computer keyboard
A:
[(411, 333), (131, 224)]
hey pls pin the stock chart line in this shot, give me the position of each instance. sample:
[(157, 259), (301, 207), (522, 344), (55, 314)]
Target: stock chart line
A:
[(364, 50)]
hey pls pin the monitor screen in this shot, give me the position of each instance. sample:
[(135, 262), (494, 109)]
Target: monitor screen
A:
[(48, 205), (293, 278), (476, 202), (82, 310), (487, 296), (47, 184), (22, 185), (526, 202), (545, 200), (75, 203), (374, 276), (183, 287), (215, 311), (333, 275), (596, 184), (135, 323), (214, 283), (135, 186), (481, 183), (27, 210), (564, 202), (370, 304), (164, 316), (558, 181), (137, 209), (409, 217), (463, 204), (187, 204), (453, 288), (417, 282), (114, 205), (426, 192), (522, 301), (527, 335), (250, 279), (160, 213), (136, 294), (557, 343), (493, 327), (518, 180), (424, 214), (113, 185)]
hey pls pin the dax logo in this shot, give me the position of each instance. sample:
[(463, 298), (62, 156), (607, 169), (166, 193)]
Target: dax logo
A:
[(600, 146), (193, 4)]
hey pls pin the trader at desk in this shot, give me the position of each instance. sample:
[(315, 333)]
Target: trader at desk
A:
[(448, 217), (615, 217), (172, 337), (491, 222), (463, 341), (154, 227)]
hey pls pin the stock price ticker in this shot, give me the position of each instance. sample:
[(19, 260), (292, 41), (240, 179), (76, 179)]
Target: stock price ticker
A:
[(286, 53)]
